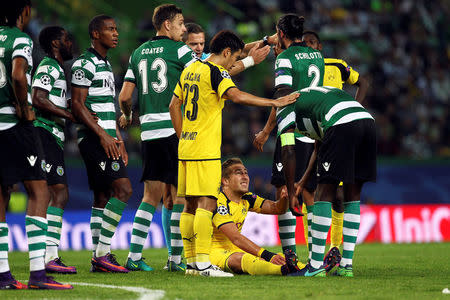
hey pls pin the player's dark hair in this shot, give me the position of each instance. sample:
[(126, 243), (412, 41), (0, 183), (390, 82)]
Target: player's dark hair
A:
[(291, 25), (191, 28), (96, 23), (312, 33), (228, 163), (48, 35), (225, 39), (11, 12), (164, 12)]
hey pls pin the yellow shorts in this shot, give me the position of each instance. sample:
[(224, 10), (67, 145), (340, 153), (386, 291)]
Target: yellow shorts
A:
[(199, 178), (219, 257)]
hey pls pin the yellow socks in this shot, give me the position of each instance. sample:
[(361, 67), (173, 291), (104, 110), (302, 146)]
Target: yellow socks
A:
[(187, 235), (203, 230), (337, 220), (255, 266)]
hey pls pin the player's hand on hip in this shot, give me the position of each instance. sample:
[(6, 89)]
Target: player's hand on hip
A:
[(278, 260), (260, 139), (259, 54), (109, 144), (286, 100), (295, 206)]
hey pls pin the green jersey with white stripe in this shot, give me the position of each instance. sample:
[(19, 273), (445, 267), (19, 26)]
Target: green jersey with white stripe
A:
[(319, 108), (92, 71), (155, 67), (13, 43), (299, 67), (50, 77)]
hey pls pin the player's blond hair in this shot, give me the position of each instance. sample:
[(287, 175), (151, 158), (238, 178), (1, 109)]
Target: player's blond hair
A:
[(226, 165)]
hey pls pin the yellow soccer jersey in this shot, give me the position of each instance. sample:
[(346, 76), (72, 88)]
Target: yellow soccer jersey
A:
[(202, 87), (337, 72), (231, 212)]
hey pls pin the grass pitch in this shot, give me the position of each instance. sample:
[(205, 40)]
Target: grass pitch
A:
[(415, 271)]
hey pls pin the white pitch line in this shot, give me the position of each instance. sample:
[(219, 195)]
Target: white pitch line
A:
[(144, 294)]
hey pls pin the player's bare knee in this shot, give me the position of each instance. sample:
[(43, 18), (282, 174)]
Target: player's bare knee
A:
[(234, 262)]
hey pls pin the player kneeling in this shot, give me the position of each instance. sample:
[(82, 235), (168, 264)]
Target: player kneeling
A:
[(231, 251)]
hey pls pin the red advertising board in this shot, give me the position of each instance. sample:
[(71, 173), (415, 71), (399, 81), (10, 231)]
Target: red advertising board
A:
[(400, 224)]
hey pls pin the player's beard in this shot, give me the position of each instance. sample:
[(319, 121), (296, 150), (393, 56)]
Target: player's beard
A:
[(66, 53)]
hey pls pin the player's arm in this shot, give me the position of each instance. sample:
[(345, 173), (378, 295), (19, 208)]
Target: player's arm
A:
[(232, 233), (82, 114), (175, 114), (288, 160), (125, 103), (41, 101), (278, 207), (240, 97), (363, 86), (271, 40), (262, 136), (255, 56), (122, 149), (309, 170), (20, 88)]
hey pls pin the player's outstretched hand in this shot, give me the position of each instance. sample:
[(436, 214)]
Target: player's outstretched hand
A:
[(259, 54), (123, 122), (286, 100), (260, 139), (278, 260), (109, 144), (295, 206)]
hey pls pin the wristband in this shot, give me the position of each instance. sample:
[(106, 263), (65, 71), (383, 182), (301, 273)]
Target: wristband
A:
[(266, 255), (128, 117), (248, 62), (266, 40)]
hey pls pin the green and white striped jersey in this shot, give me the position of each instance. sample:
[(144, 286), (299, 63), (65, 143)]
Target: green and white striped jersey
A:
[(13, 43), (155, 67), (298, 67), (50, 77), (319, 108), (91, 71)]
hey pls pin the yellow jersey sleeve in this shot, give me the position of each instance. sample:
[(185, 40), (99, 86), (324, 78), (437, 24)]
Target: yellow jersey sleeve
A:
[(221, 215), (221, 80), (178, 92), (353, 76), (255, 202)]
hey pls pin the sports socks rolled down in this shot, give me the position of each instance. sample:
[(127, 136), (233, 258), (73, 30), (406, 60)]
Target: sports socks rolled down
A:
[(253, 265), (111, 218), (352, 220), (187, 233), (203, 230), (54, 219), (141, 225), (286, 230), (166, 215), (36, 228), (321, 223), (4, 247), (175, 233)]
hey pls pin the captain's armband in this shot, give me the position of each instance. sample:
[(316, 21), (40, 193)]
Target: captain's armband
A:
[(287, 139)]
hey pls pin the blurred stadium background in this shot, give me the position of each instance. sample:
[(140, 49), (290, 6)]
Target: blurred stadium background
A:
[(400, 45)]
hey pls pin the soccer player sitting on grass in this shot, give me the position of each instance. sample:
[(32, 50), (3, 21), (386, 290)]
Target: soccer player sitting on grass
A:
[(231, 251)]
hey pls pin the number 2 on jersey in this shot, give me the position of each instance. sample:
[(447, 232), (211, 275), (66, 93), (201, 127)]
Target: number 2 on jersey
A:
[(191, 115), (313, 70)]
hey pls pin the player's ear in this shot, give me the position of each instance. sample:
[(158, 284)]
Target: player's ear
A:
[(320, 47), (56, 44), (167, 24), (226, 52), (95, 34)]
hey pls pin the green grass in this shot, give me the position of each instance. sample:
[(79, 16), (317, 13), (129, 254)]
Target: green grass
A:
[(416, 271)]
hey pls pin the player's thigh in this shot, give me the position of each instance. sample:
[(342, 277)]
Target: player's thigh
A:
[(203, 178), (54, 158), (181, 186), (366, 152), (160, 160), (220, 257)]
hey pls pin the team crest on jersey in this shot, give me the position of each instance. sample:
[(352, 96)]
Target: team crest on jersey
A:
[(84, 62), (222, 210), (45, 79), (43, 165), (115, 166), (225, 74), (79, 74), (27, 50), (60, 171)]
